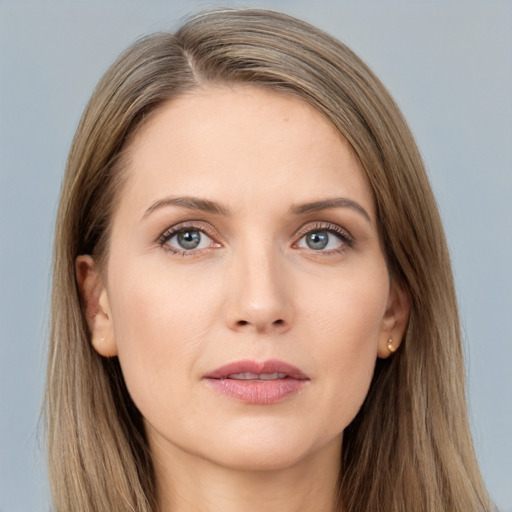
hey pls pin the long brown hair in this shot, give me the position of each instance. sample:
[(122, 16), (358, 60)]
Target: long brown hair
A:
[(409, 448)]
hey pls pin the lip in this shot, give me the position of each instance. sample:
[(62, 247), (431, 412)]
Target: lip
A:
[(255, 391)]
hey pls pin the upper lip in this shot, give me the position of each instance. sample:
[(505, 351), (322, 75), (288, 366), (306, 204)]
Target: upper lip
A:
[(258, 368)]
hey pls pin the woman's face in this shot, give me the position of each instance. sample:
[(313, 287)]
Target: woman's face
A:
[(246, 292)]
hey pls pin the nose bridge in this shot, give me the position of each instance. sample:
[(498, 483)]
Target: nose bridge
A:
[(259, 298)]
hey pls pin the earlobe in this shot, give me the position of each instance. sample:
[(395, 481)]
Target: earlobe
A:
[(96, 306), (394, 322)]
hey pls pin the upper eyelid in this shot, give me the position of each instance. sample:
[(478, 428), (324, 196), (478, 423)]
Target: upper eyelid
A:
[(169, 232), (323, 225)]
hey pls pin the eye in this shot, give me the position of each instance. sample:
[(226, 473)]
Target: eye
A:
[(325, 239), (186, 239), (319, 241)]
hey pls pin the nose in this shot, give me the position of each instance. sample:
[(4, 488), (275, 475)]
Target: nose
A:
[(259, 293)]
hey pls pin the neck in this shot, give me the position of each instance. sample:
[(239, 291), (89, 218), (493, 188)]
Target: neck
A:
[(186, 482)]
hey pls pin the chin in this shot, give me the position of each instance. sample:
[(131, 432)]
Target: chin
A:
[(266, 450), (261, 459)]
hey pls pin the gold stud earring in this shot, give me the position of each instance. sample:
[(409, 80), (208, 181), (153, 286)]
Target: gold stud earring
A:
[(391, 348)]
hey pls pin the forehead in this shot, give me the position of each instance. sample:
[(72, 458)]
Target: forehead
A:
[(218, 140)]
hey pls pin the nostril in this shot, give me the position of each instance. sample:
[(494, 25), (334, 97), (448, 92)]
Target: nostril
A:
[(262, 326)]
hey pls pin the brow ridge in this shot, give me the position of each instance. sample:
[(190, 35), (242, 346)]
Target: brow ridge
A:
[(190, 203), (326, 204), (205, 205)]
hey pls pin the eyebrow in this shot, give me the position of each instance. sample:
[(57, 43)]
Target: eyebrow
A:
[(195, 203), (190, 203), (326, 204)]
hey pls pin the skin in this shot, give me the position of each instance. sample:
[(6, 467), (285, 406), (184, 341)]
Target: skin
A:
[(254, 289)]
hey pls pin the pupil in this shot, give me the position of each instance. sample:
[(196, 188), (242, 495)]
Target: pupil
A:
[(317, 240), (189, 239)]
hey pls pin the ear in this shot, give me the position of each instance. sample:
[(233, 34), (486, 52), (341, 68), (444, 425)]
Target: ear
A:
[(96, 306), (395, 320)]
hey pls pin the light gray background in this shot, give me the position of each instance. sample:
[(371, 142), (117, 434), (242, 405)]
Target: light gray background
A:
[(448, 64)]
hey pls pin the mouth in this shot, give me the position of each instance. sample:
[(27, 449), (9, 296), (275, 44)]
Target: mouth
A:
[(255, 376), (254, 382)]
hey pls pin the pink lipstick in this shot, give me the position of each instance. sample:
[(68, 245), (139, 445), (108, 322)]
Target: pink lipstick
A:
[(261, 383)]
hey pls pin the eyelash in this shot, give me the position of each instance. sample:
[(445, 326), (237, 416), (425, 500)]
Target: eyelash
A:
[(186, 226), (346, 238)]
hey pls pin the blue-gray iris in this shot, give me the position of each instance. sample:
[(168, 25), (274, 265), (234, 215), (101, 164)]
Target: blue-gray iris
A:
[(189, 239), (317, 240)]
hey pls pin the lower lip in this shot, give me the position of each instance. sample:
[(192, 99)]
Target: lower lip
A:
[(260, 392)]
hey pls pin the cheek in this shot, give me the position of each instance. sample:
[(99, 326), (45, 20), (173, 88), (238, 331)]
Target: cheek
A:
[(160, 322), (348, 309), (347, 326)]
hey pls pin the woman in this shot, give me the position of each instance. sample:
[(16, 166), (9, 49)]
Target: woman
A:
[(253, 303)]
